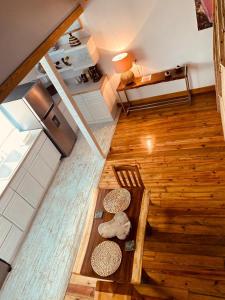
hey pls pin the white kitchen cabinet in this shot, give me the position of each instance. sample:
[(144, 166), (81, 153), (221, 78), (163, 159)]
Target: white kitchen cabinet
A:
[(31, 190), (11, 244), (50, 154), (5, 227), (34, 151), (41, 171), (15, 182), (5, 199), (19, 212), (82, 105), (21, 199), (97, 106)]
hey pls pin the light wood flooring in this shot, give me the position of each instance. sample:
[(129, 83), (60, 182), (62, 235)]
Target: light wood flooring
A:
[(181, 155)]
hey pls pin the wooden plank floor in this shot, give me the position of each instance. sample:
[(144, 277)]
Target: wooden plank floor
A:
[(181, 155)]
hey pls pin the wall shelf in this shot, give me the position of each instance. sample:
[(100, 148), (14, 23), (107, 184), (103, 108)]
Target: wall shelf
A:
[(82, 57), (65, 49)]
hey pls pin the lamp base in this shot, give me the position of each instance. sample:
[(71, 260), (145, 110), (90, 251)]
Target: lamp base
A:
[(127, 77)]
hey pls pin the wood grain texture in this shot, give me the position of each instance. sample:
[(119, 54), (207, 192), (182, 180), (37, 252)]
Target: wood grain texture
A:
[(138, 254), (17, 76), (180, 152), (155, 78), (113, 290), (86, 233), (128, 176)]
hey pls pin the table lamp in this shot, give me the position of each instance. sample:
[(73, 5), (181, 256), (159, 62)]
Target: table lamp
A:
[(123, 63)]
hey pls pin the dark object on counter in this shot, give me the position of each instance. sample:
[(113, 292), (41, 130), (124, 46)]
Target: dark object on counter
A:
[(74, 41), (130, 246), (30, 106), (5, 268), (57, 64), (51, 89), (167, 74), (99, 214), (40, 69), (66, 61), (95, 73), (54, 48), (84, 78), (178, 69)]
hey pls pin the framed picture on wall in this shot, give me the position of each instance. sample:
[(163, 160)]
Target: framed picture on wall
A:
[(204, 12)]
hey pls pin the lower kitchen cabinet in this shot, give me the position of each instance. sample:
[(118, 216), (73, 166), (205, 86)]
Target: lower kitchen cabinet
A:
[(5, 227), (5, 199), (20, 201), (97, 106), (41, 171), (11, 244), (50, 154), (19, 212), (31, 190)]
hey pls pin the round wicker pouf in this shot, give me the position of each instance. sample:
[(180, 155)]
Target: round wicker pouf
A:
[(106, 258), (117, 200)]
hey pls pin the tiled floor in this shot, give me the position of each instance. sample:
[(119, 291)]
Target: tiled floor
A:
[(43, 266)]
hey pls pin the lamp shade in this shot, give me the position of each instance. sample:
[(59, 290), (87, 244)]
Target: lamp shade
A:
[(122, 62)]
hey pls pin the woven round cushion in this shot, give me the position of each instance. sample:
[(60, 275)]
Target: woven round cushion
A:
[(117, 200), (106, 258)]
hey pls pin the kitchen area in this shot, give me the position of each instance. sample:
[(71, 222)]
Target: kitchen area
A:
[(43, 153)]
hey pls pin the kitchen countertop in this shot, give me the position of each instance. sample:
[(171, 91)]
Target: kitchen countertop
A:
[(83, 88), (13, 152), (78, 89)]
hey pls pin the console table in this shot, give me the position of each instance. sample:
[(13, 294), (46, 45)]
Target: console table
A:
[(155, 79)]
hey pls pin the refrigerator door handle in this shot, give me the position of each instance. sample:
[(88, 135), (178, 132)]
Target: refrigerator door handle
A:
[(56, 121)]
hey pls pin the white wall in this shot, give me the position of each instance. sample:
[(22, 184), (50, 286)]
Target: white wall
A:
[(160, 33), (24, 24)]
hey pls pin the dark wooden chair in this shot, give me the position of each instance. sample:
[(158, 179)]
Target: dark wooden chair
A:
[(128, 176)]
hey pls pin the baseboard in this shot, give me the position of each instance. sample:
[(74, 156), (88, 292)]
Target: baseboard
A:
[(202, 90)]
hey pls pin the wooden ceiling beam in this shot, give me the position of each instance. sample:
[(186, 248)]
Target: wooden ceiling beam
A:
[(17, 76)]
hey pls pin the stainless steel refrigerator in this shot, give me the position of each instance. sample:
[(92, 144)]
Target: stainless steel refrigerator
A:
[(30, 106)]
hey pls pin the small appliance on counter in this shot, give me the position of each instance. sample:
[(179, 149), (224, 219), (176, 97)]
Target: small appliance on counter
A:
[(30, 106)]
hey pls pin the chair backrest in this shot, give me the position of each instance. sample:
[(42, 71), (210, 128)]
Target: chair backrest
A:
[(128, 176)]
